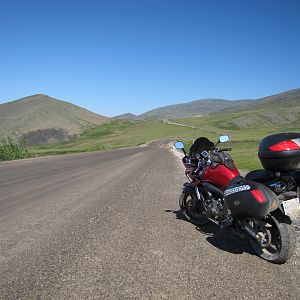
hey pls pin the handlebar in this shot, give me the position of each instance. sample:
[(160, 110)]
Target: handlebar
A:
[(199, 156), (224, 149)]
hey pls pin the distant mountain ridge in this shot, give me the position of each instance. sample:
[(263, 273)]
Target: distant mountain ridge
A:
[(190, 109), (57, 119), (126, 116), (218, 106), (280, 110), (282, 100), (43, 119)]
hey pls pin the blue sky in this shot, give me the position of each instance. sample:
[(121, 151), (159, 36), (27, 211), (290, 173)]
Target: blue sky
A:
[(119, 56)]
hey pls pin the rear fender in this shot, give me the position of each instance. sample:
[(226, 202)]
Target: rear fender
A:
[(297, 178), (280, 216)]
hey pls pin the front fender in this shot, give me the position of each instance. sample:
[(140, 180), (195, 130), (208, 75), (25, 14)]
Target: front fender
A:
[(189, 189)]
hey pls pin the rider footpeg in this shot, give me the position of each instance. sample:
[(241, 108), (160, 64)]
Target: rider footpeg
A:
[(227, 222)]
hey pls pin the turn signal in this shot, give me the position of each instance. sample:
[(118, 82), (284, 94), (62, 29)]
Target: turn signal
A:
[(284, 146), (259, 196)]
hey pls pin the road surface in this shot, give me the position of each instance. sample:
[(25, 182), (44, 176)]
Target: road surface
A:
[(105, 225)]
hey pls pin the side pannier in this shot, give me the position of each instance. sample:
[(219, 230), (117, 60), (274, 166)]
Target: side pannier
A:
[(247, 199)]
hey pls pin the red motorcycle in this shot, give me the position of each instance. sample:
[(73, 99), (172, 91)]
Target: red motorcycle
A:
[(257, 206)]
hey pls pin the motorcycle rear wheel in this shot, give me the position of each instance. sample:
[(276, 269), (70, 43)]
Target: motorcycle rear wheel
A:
[(280, 239), (192, 209)]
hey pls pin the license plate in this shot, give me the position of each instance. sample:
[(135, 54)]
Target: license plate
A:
[(292, 208)]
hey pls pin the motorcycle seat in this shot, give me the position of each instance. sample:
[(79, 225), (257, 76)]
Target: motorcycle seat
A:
[(237, 180), (260, 176)]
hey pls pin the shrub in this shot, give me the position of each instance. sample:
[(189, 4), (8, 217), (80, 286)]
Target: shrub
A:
[(95, 146), (10, 149)]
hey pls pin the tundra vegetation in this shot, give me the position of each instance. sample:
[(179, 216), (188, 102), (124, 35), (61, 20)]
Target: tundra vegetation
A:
[(246, 121), (127, 133), (11, 149)]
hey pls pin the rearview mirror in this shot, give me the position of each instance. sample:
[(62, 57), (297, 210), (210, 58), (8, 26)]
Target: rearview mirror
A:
[(179, 145), (224, 138)]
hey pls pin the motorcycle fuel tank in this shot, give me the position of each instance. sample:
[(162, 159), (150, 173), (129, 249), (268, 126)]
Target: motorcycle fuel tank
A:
[(220, 175)]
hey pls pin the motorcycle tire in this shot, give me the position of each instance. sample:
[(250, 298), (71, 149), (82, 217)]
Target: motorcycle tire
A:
[(192, 209), (282, 239)]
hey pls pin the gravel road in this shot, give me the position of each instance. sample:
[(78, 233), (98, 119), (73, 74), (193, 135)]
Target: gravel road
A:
[(106, 225)]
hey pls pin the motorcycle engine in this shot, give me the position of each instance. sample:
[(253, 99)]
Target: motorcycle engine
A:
[(215, 209)]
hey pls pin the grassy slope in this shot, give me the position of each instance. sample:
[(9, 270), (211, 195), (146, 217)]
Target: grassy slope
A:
[(122, 133), (246, 127), (198, 107), (132, 133), (42, 112), (119, 133)]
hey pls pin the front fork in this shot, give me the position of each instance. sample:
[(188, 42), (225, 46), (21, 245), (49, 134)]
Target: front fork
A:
[(199, 196)]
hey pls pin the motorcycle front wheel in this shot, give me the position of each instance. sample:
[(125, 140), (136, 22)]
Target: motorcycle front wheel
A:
[(278, 238), (192, 209)]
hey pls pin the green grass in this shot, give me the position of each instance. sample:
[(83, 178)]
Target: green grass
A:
[(128, 133), (244, 137), (11, 149), (117, 134)]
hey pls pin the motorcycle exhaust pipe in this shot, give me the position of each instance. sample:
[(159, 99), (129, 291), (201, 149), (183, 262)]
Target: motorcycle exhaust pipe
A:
[(250, 231), (260, 238)]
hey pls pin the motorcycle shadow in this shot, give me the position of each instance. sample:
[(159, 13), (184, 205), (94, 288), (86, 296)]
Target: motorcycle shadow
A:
[(223, 239)]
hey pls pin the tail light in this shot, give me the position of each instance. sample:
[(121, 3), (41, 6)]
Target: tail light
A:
[(259, 196), (286, 145)]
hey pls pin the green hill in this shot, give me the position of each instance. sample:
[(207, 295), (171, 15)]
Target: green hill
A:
[(127, 116), (247, 122), (190, 109), (44, 116), (289, 99), (279, 111)]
